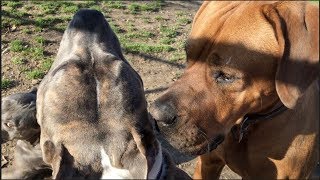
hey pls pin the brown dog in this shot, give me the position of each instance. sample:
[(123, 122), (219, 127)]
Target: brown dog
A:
[(247, 62), (92, 110)]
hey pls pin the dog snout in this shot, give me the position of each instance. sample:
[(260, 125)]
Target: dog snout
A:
[(163, 112)]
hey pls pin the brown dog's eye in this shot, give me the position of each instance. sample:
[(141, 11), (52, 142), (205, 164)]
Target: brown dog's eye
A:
[(221, 77)]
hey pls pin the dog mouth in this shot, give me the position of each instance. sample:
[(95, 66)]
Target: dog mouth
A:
[(206, 146)]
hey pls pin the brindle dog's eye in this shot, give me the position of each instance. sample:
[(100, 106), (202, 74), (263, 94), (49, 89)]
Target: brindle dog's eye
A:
[(221, 77)]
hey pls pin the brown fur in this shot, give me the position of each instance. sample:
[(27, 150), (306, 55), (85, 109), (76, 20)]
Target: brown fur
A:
[(246, 58)]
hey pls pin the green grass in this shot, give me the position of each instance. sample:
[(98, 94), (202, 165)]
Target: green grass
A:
[(159, 18), (17, 46), (36, 52), (169, 32), (146, 48), (184, 21), (6, 83), (114, 4), (167, 40), (115, 27), (69, 8), (177, 56), (49, 7), (13, 4), (140, 34), (35, 74), (18, 60), (48, 21), (135, 8), (39, 39), (27, 31), (46, 64)]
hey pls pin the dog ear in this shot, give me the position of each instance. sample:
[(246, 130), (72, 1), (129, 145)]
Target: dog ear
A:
[(147, 144), (60, 160), (296, 26)]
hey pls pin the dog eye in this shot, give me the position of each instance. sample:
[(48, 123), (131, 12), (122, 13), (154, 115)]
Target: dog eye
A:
[(222, 77), (9, 124)]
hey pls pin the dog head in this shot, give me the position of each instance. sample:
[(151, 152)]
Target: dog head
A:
[(18, 117), (242, 57), (92, 99)]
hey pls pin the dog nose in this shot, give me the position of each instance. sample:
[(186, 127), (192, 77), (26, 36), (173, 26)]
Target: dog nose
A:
[(163, 113)]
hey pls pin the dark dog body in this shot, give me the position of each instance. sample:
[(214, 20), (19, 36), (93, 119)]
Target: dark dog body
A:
[(248, 58), (91, 104)]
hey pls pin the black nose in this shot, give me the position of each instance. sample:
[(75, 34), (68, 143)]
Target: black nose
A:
[(163, 113)]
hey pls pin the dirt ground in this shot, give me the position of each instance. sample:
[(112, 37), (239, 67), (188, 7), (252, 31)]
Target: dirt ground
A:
[(157, 70)]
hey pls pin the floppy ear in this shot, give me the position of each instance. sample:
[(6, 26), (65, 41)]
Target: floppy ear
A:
[(146, 143), (296, 25), (60, 160)]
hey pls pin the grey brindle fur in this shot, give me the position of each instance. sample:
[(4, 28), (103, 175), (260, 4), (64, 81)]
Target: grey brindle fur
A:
[(92, 98), (18, 117)]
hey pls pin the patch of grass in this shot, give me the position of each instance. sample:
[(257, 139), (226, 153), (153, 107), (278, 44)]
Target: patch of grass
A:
[(26, 31), (61, 27), (134, 8), (6, 83), (114, 5), (35, 74), (140, 34), (13, 4), (146, 48), (184, 21), (17, 46), (96, 7), (69, 8), (115, 27), (167, 40), (159, 18), (18, 60), (39, 39), (47, 21), (49, 7), (46, 64), (168, 32), (150, 6), (36, 52), (177, 56), (180, 13)]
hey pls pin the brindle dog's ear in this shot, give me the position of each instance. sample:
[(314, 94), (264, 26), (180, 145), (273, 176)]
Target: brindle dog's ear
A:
[(147, 144), (296, 26), (60, 160)]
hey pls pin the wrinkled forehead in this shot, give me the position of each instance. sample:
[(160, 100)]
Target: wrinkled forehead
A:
[(237, 29)]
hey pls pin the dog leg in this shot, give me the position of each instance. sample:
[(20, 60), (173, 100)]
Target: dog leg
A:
[(209, 166)]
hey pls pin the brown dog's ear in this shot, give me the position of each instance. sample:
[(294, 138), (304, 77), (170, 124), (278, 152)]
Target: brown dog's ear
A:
[(296, 26)]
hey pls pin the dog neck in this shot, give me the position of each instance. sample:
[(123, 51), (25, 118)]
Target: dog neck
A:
[(156, 170)]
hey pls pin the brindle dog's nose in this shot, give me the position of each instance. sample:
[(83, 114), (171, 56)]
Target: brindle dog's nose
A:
[(163, 113)]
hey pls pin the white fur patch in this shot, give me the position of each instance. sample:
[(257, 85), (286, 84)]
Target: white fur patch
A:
[(110, 172), (157, 165)]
